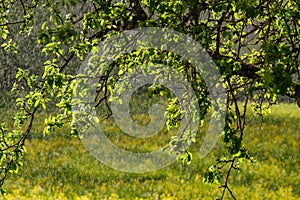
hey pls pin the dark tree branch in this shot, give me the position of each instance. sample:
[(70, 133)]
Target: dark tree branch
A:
[(23, 6), (12, 23)]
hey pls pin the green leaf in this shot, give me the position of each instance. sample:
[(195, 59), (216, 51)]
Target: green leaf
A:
[(37, 103), (3, 191), (20, 74), (121, 72)]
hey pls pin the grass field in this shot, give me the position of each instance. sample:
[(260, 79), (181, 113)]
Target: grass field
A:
[(58, 167)]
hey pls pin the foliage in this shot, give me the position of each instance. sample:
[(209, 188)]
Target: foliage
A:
[(255, 45)]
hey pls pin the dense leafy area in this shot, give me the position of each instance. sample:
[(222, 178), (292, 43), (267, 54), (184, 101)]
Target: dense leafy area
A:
[(255, 45)]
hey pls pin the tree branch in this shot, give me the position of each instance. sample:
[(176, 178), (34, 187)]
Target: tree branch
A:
[(12, 23)]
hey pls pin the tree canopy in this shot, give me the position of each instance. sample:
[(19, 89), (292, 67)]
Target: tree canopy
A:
[(254, 45)]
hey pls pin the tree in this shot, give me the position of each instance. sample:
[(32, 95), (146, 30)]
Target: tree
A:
[(254, 44)]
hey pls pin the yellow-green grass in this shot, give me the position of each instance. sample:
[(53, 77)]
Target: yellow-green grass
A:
[(58, 166)]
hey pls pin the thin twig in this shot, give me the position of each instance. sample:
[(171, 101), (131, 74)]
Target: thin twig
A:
[(12, 23)]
